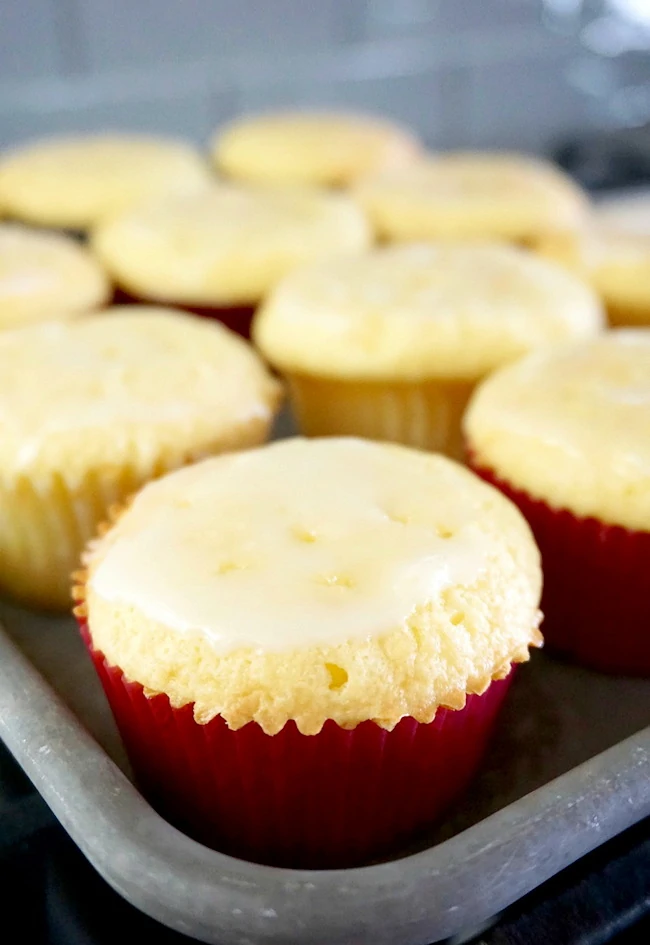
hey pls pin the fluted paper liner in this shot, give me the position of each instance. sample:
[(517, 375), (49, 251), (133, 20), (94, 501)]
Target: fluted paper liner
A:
[(423, 414), (339, 798), (595, 600)]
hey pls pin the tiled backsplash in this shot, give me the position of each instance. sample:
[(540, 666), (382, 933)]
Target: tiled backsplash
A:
[(464, 72)]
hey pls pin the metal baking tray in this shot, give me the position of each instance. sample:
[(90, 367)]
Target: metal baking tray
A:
[(569, 769)]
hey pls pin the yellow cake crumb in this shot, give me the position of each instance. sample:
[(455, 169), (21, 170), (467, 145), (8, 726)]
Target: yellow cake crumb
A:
[(321, 148), (46, 276), (91, 409), (312, 580), (227, 245), (613, 254), (469, 195), (422, 311), (76, 181), (571, 426)]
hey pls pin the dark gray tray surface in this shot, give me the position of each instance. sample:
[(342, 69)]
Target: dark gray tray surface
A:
[(499, 843)]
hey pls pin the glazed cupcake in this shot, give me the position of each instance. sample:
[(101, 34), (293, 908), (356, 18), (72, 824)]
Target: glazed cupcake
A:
[(73, 183), (305, 646), (219, 252), (390, 344), (318, 148), (566, 435), (512, 197), (46, 276), (91, 409), (613, 253)]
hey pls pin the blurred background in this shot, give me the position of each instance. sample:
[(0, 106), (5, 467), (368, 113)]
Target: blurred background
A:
[(563, 77)]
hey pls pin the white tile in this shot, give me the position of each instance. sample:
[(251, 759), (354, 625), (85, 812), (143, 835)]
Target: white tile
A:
[(124, 32), (431, 17), (417, 100), (389, 16), (528, 104), (487, 14), (28, 39), (189, 114)]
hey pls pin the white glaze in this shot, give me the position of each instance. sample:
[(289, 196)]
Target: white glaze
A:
[(298, 544)]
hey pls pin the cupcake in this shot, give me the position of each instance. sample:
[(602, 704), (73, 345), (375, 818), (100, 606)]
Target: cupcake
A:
[(510, 197), (613, 253), (566, 435), (220, 251), (390, 344), (90, 409), (305, 645), (45, 276), (73, 183), (319, 148)]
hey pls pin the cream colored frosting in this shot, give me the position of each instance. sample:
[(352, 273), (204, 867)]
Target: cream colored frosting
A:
[(612, 251), (572, 426), (279, 555), (77, 394), (617, 250), (311, 148), (227, 244), (513, 197), (278, 550), (76, 181), (422, 311), (45, 276)]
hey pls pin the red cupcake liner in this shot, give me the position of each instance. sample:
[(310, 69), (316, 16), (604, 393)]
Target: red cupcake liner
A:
[(336, 799), (595, 601), (236, 317)]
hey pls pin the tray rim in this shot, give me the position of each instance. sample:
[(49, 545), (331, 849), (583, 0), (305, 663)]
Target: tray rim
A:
[(217, 899)]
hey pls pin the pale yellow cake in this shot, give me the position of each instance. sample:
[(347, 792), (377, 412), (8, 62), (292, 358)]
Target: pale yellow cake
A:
[(313, 580), (74, 182), (467, 195), (613, 252), (46, 276), (320, 148), (572, 427), (92, 408), (389, 344), (227, 245)]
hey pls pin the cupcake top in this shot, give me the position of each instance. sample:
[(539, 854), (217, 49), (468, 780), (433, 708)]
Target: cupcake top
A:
[(316, 579), (311, 148), (132, 380), (613, 252), (422, 311), (512, 197), (619, 264), (572, 427), (227, 245), (74, 182), (615, 228), (45, 276)]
